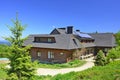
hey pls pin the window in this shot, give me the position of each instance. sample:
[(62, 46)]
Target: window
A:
[(106, 49), (37, 39), (81, 41), (49, 40), (50, 54), (38, 53), (91, 50)]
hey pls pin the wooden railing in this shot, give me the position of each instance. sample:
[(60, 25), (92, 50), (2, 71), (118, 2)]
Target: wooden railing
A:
[(86, 56)]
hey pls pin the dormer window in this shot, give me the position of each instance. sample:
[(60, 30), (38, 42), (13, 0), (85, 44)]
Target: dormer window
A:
[(36, 39), (44, 39), (49, 40)]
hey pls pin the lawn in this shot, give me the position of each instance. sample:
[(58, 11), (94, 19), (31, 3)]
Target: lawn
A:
[(71, 64), (108, 72)]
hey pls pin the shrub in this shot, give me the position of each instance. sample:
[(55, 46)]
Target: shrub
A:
[(3, 72), (100, 59), (114, 53), (4, 51), (74, 63)]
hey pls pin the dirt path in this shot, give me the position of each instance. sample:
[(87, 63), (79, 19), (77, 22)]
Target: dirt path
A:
[(52, 72)]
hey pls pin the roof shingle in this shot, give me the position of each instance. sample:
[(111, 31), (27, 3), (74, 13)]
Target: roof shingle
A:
[(63, 41), (104, 39)]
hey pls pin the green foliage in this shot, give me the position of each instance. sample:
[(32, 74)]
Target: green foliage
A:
[(74, 63), (114, 53), (3, 72), (100, 59), (4, 51), (117, 75), (109, 72), (117, 37), (48, 77), (12, 76), (22, 67)]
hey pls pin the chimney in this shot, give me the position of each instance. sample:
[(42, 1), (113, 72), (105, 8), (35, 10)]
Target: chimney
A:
[(69, 29), (77, 30), (62, 28)]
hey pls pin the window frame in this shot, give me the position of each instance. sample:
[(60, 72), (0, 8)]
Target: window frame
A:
[(50, 55), (38, 54), (49, 40)]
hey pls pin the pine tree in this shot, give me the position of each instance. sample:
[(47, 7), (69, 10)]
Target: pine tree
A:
[(100, 59), (22, 68)]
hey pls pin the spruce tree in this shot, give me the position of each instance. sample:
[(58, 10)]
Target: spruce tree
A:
[(22, 68), (100, 59)]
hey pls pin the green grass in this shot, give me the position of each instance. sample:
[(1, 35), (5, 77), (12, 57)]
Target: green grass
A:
[(3, 72), (108, 72), (71, 64)]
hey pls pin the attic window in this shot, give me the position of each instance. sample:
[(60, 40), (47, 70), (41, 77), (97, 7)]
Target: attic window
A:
[(36, 39), (75, 42), (49, 40)]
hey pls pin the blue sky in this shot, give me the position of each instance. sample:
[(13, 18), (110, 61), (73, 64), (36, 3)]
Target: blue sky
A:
[(41, 16)]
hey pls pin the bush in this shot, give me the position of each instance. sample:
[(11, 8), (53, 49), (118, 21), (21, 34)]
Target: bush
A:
[(114, 53), (74, 63), (3, 72), (100, 59), (4, 51)]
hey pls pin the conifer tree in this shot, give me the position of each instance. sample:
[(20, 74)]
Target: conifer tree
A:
[(100, 59), (22, 68)]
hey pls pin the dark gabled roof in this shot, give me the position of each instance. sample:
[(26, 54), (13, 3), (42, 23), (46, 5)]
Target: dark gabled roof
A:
[(59, 31), (62, 30), (63, 41), (73, 40), (104, 39)]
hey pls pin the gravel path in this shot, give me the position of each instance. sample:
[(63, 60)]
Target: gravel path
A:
[(52, 72)]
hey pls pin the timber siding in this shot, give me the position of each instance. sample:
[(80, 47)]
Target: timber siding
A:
[(58, 57)]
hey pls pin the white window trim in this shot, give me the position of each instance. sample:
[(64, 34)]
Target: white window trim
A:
[(49, 40), (38, 53)]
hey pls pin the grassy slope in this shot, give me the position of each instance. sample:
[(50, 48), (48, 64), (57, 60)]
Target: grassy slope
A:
[(107, 72)]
